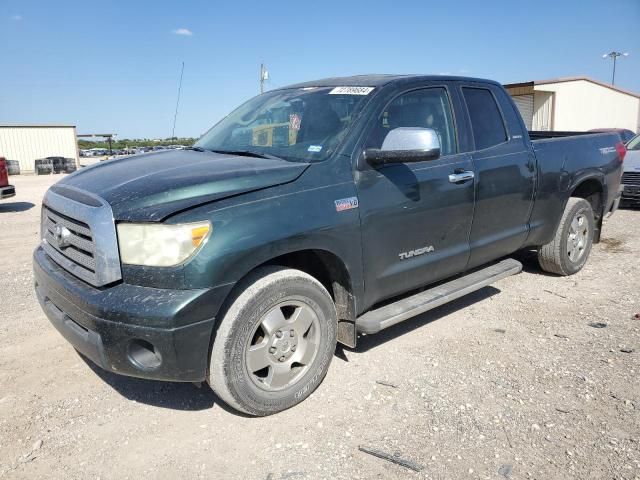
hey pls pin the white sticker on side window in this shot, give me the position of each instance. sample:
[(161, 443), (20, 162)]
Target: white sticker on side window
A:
[(351, 91)]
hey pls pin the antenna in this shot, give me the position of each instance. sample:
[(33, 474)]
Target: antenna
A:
[(264, 76), (175, 115)]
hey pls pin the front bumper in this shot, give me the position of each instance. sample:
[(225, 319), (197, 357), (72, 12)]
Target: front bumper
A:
[(138, 331), (7, 191), (631, 195)]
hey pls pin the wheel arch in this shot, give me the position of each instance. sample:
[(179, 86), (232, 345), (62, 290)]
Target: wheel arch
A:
[(593, 189), (330, 270)]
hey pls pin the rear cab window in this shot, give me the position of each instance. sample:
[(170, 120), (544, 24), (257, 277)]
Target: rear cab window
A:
[(487, 123)]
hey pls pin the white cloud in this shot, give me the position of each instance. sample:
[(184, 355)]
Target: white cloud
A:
[(183, 31), (16, 18)]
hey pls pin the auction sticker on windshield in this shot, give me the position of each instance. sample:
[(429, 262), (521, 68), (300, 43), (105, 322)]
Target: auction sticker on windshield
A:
[(351, 91)]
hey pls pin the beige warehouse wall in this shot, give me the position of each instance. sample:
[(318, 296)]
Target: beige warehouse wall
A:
[(26, 144), (542, 111), (581, 105)]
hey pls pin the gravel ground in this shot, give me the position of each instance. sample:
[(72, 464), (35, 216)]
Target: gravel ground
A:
[(510, 382)]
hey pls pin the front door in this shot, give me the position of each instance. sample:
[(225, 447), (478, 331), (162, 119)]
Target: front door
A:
[(415, 219)]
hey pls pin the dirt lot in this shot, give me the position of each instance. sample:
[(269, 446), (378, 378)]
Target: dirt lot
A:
[(510, 382)]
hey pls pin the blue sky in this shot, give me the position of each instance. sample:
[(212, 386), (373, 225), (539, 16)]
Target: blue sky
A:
[(114, 66)]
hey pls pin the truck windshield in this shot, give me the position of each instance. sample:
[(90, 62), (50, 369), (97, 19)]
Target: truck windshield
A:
[(300, 124), (634, 143)]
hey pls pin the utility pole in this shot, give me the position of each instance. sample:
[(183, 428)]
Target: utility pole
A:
[(264, 76), (615, 56), (175, 115)]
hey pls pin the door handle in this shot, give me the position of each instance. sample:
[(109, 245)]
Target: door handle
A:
[(461, 177)]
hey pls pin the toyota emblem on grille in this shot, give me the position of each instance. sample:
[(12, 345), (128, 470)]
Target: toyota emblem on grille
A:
[(62, 236)]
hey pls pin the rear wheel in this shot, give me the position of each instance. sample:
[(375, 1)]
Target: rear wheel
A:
[(275, 342), (569, 250)]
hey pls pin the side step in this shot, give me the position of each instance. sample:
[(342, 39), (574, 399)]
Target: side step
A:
[(384, 317)]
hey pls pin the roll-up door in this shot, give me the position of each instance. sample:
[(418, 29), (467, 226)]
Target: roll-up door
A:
[(525, 106)]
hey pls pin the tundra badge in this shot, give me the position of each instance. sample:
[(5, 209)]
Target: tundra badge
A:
[(416, 252)]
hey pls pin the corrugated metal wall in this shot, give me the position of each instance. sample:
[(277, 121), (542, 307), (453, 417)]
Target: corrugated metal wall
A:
[(525, 106), (581, 105), (26, 144), (543, 111)]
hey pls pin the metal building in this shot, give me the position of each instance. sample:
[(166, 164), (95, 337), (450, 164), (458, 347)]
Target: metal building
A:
[(575, 104), (27, 143)]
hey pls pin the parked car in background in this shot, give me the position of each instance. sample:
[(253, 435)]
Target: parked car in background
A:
[(6, 190), (625, 134), (631, 174)]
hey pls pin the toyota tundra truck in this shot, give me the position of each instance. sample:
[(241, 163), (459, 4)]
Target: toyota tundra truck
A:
[(311, 215)]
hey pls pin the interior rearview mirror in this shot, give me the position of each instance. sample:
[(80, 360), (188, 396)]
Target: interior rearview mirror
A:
[(405, 144)]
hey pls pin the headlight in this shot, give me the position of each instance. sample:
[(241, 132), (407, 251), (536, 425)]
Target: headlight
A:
[(158, 245)]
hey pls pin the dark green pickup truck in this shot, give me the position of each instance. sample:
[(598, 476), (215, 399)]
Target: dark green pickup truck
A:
[(310, 214)]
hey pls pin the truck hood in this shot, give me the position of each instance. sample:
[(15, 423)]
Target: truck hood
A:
[(151, 187), (632, 161)]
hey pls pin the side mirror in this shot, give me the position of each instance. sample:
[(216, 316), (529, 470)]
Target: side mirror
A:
[(405, 144)]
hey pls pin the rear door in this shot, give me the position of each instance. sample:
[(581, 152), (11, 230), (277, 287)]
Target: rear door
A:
[(505, 173), (415, 221)]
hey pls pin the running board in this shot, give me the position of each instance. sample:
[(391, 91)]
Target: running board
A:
[(388, 315)]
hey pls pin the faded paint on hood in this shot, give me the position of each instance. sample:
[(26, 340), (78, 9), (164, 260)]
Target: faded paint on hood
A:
[(151, 187)]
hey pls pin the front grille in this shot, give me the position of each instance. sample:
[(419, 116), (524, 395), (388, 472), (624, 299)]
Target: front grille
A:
[(631, 178), (79, 234), (80, 247)]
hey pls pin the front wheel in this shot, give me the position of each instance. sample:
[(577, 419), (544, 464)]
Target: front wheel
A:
[(275, 342), (567, 253)]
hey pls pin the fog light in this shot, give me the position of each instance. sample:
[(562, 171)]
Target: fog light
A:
[(144, 355)]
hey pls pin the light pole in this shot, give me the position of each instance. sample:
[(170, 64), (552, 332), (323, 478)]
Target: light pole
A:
[(615, 56)]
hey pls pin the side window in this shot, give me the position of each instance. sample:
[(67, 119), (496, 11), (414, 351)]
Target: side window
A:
[(426, 108), (486, 121)]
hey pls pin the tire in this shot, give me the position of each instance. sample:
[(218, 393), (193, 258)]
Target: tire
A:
[(569, 250), (275, 342)]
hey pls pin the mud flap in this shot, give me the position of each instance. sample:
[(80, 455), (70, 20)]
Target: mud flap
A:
[(347, 333)]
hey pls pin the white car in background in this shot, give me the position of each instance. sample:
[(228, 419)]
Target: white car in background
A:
[(631, 174)]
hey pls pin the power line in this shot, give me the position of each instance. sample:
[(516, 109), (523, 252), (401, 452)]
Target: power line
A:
[(175, 115)]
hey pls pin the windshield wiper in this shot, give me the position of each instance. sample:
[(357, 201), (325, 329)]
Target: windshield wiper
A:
[(197, 149), (247, 153)]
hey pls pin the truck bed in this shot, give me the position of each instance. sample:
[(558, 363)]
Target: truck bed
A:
[(564, 158), (542, 134)]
